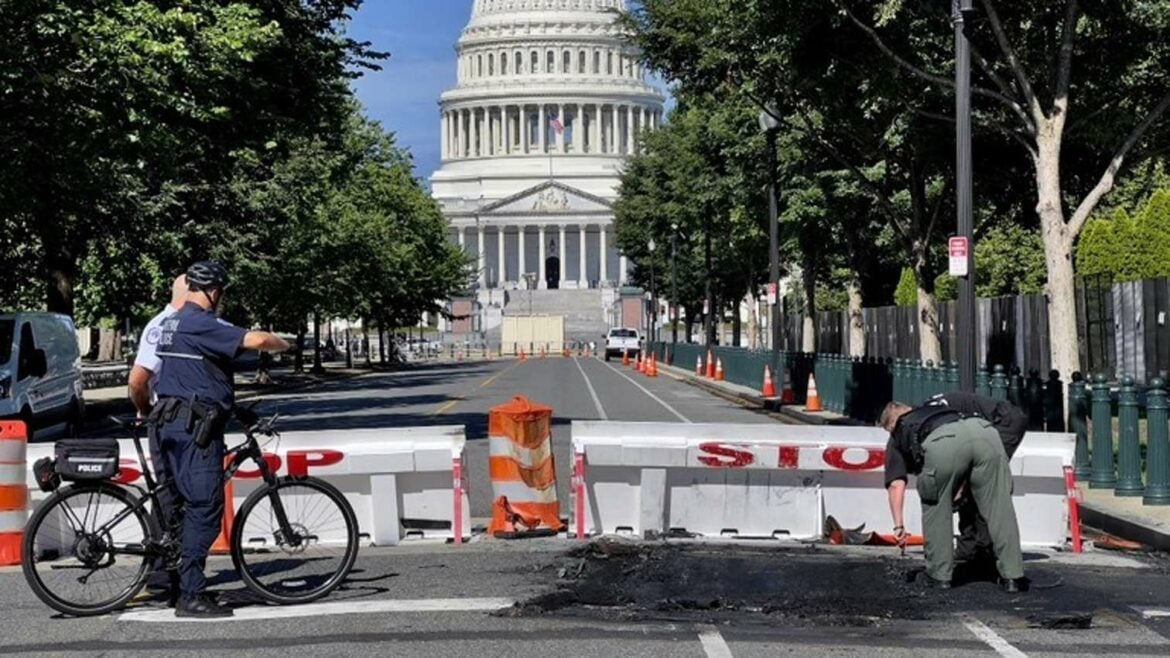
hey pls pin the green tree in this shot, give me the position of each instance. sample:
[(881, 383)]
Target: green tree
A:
[(1080, 86), (1009, 260), (907, 292), (127, 120)]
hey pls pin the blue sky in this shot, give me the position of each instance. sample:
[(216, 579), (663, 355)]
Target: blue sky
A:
[(420, 36)]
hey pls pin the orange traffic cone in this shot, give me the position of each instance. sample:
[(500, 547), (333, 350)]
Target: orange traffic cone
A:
[(698, 366), (813, 399), (718, 370), (653, 365), (523, 356), (625, 357), (710, 365), (769, 390)]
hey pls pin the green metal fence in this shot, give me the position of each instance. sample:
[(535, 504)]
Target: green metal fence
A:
[(1109, 421)]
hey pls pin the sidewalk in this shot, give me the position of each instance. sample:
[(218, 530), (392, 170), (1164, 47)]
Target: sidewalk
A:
[(1126, 518), (752, 398)]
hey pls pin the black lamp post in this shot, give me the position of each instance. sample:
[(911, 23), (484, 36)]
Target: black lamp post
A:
[(966, 325), (770, 125), (653, 296), (673, 283)]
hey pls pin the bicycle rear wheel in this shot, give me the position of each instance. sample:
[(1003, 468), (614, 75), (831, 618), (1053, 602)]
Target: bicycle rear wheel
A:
[(314, 560), (84, 550)]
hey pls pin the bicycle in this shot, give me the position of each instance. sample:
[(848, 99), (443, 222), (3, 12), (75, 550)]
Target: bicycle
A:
[(294, 539)]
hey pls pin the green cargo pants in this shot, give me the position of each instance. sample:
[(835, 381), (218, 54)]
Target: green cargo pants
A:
[(967, 451)]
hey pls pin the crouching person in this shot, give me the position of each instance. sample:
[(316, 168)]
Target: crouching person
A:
[(946, 450)]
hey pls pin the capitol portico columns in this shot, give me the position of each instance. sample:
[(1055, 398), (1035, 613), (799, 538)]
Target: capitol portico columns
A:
[(482, 257), (582, 276), (543, 282), (604, 273), (520, 249), (561, 258), (502, 261)]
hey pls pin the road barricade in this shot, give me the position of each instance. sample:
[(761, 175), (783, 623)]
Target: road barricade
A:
[(774, 481), (13, 493), (522, 471), (402, 483)]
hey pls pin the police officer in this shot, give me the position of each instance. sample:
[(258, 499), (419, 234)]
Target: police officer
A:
[(945, 449), (974, 543), (147, 366), (196, 394)]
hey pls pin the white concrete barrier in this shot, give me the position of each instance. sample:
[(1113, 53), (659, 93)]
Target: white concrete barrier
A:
[(774, 481), (402, 483)]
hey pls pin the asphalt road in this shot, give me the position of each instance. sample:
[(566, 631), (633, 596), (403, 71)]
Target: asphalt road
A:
[(462, 394), (648, 599)]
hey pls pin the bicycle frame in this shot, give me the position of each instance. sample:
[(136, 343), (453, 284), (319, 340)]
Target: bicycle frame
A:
[(235, 458)]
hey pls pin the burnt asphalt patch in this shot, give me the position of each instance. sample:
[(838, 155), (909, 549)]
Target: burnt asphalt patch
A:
[(792, 586)]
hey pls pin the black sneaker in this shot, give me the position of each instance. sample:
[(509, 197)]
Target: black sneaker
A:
[(1014, 585), (203, 606)]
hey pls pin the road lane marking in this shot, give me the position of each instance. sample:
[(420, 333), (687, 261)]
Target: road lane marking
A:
[(588, 384), (252, 613), (499, 374), (1152, 613), (652, 396), (447, 406), (713, 643), (991, 638)]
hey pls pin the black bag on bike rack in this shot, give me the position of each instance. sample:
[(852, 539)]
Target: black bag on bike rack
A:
[(45, 473), (87, 459)]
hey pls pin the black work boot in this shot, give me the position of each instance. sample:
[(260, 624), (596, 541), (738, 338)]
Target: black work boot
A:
[(1014, 585), (203, 606)]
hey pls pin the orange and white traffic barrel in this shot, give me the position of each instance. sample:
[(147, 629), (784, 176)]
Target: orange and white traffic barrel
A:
[(13, 490), (524, 478)]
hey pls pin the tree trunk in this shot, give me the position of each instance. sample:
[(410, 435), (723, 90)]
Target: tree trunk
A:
[(753, 328), (1062, 315), (808, 342), (736, 326), (929, 345), (110, 345), (856, 320), (299, 359), (60, 270), (1058, 247), (366, 342), (382, 343), (317, 367)]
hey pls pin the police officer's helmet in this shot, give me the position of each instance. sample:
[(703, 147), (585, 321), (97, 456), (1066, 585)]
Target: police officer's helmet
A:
[(207, 275)]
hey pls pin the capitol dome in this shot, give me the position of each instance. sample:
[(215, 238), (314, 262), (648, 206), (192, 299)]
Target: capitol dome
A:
[(549, 102)]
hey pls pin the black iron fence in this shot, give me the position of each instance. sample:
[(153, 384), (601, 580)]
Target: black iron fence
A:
[(1123, 328)]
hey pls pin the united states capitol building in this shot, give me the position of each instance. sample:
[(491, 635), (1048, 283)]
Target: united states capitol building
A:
[(549, 103)]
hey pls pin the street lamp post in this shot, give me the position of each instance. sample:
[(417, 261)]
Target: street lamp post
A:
[(673, 283), (653, 295), (966, 325), (769, 124)]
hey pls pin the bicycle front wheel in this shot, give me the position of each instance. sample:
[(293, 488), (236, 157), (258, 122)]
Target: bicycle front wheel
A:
[(296, 541), (85, 549)]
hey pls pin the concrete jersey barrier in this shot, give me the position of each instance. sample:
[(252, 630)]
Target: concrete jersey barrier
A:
[(405, 482), (774, 481)]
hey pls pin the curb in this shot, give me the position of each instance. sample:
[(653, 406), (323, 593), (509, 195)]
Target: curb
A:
[(771, 406), (1125, 526)]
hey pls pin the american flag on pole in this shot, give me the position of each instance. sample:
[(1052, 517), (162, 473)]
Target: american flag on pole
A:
[(556, 123)]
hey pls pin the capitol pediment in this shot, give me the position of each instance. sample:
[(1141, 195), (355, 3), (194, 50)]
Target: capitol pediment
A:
[(548, 198)]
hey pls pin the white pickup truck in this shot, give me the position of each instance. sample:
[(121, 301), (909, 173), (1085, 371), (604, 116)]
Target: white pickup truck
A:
[(622, 339)]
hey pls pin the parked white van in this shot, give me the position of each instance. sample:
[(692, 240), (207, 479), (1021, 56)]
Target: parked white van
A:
[(40, 370)]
